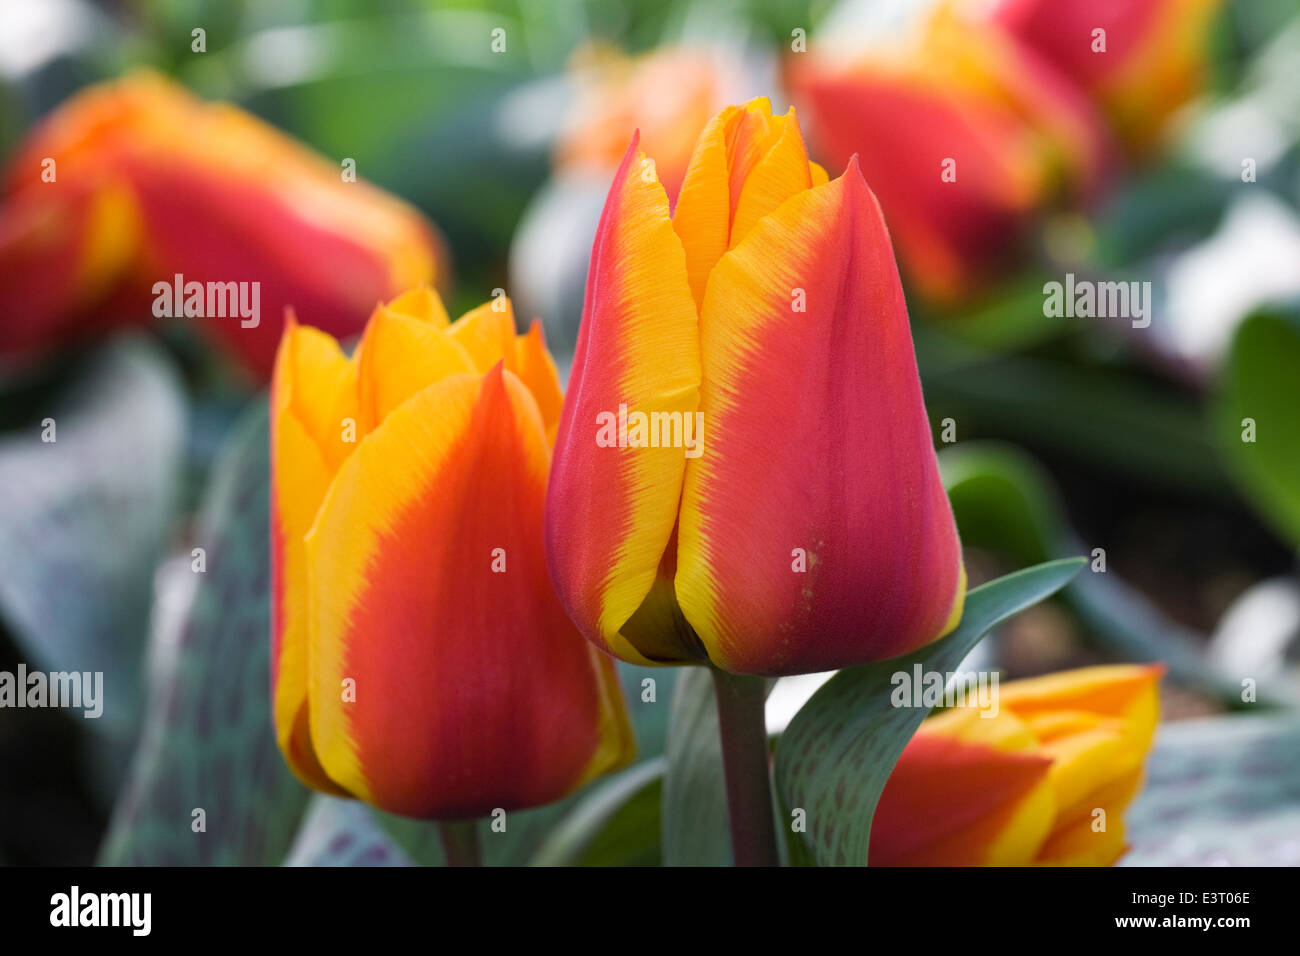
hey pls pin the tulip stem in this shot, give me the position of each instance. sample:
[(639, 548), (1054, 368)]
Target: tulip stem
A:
[(746, 763), (460, 842)]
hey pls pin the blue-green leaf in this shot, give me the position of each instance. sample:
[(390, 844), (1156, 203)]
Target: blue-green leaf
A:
[(1222, 791), (834, 758), (208, 743)]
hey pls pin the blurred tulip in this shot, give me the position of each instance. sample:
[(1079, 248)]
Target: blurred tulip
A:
[(421, 661), (1141, 59), (790, 517), (134, 182), (962, 135), (669, 94), (1044, 781)]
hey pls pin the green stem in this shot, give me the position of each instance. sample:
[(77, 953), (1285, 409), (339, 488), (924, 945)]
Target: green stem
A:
[(460, 842), (745, 760)]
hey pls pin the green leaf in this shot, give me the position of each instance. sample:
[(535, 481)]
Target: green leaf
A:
[(208, 742), (1008, 317), (613, 824), (1096, 416), (83, 519), (1006, 501), (1261, 382), (1219, 791), (834, 758), (695, 824)]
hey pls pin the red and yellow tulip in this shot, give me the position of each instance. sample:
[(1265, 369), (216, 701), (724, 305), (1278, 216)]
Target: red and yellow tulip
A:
[(808, 529), (1140, 59), (149, 182), (963, 137), (1045, 781), (421, 661)]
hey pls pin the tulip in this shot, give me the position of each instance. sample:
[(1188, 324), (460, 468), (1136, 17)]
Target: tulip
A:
[(744, 472), (963, 136), (1140, 59), (132, 183), (1043, 779), (669, 93), (421, 661)]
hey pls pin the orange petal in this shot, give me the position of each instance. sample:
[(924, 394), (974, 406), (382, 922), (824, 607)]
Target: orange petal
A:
[(421, 303), (746, 163), (430, 599), (611, 509), (400, 356), (814, 532), (536, 369), (487, 333), (309, 372), (977, 796)]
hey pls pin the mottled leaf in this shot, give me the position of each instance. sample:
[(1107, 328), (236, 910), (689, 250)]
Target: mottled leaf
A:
[(834, 758), (208, 742), (1222, 791)]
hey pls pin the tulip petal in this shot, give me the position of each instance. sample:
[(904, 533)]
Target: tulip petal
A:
[(999, 814), (778, 175), (611, 510), (536, 369), (421, 303), (746, 163), (400, 356), (817, 444), (1128, 692), (487, 333), (309, 370), (472, 689), (702, 216)]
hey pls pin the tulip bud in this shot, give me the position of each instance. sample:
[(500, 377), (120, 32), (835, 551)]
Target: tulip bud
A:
[(1140, 59), (421, 661), (963, 136), (151, 187), (744, 472), (1042, 779)]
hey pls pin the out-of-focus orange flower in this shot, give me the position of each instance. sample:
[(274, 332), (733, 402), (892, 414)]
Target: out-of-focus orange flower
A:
[(744, 471), (669, 94), (1045, 780), (420, 659), (961, 135), (1141, 59), (134, 182)]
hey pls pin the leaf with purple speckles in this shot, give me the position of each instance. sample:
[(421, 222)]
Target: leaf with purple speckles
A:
[(834, 758), (207, 742)]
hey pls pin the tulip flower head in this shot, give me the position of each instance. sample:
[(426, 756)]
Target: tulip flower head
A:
[(1045, 780), (811, 530), (133, 183), (420, 659)]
